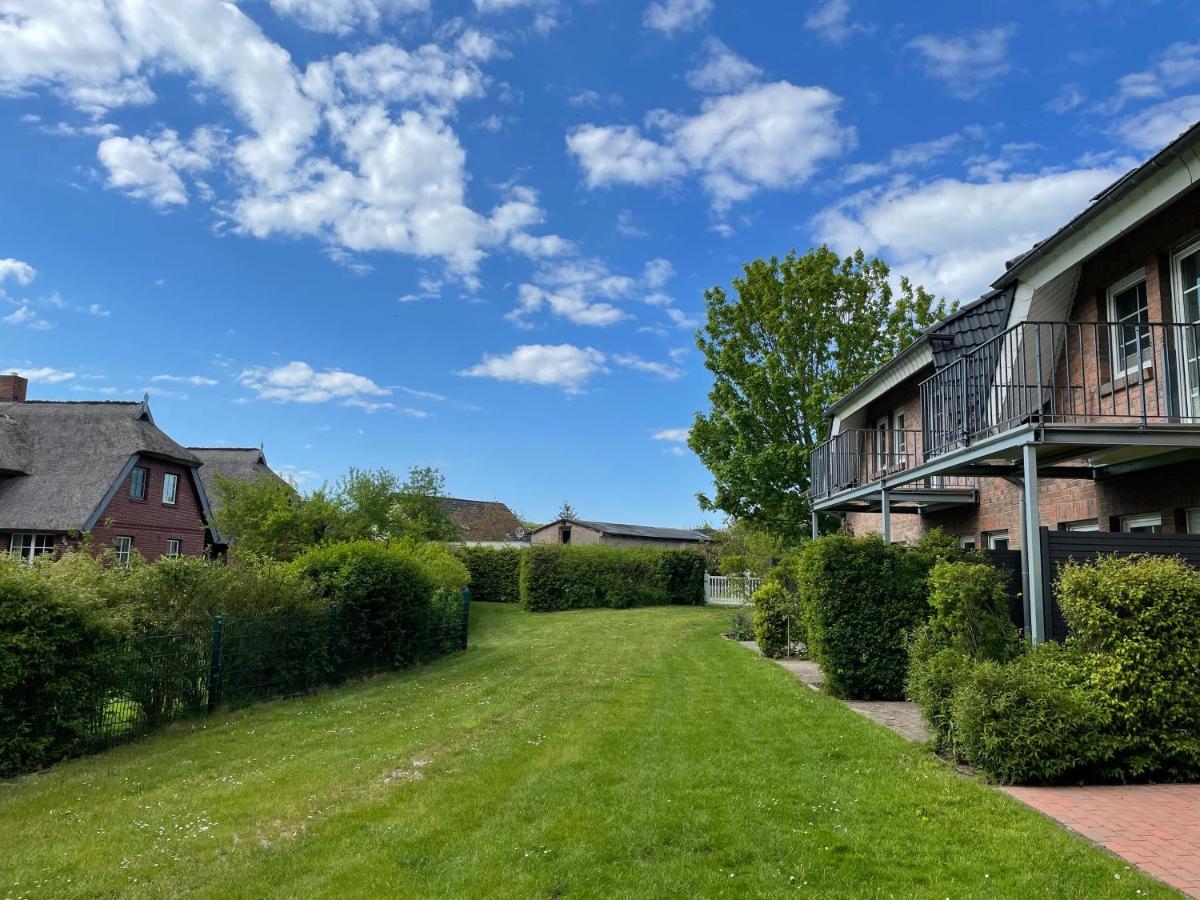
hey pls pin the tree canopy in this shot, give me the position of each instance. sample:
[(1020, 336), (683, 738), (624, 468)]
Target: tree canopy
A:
[(797, 334)]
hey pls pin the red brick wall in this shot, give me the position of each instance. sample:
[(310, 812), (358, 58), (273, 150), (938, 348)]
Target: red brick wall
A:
[(150, 522)]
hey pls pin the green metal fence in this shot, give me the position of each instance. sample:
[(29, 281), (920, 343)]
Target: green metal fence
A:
[(168, 676)]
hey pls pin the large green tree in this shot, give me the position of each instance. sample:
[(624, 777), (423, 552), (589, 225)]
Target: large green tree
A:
[(796, 334)]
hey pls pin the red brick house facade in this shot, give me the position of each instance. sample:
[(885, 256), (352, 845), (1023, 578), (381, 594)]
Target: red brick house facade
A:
[(1067, 397), (102, 469)]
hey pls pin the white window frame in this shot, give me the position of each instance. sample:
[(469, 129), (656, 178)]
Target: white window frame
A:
[(123, 548), (899, 439), (174, 548), (172, 479), (1084, 525), (38, 545), (968, 542), (133, 482), (1180, 307), (1193, 520), (882, 427), (993, 536), (1141, 520), (1132, 280)]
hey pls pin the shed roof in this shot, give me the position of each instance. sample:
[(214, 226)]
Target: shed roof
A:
[(70, 454), (650, 532), (483, 520)]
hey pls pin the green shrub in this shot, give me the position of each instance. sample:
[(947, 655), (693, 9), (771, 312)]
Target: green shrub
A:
[(383, 595), (934, 671), (59, 655), (1032, 720), (741, 627), (1137, 622), (776, 619), (860, 597), (444, 567), (555, 577), (495, 573), (969, 602)]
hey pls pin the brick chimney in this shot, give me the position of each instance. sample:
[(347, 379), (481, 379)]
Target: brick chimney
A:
[(13, 388)]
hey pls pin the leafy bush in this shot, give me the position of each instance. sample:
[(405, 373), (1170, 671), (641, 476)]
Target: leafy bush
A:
[(934, 671), (443, 566), (383, 594), (741, 628), (555, 577), (969, 601), (860, 597), (1032, 720), (777, 619), (495, 573), (59, 653), (1136, 621)]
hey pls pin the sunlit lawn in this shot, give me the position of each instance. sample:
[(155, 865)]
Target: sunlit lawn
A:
[(587, 754)]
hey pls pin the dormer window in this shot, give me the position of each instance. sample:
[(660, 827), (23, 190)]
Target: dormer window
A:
[(138, 480), (170, 488)]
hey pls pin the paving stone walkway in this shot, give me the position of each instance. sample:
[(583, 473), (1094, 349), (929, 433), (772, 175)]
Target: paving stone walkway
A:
[(1156, 827)]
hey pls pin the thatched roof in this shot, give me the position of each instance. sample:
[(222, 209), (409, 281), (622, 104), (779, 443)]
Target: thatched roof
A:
[(70, 456), (236, 463)]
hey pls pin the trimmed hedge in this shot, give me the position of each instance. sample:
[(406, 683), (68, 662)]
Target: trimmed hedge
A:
[(1137, 622), (59, 654), (495, 573), (1032, 720), (777, 618), (860, 598), (556, 577)]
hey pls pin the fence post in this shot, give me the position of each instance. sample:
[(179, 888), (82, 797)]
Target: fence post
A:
[(214, 664), (466, 616)]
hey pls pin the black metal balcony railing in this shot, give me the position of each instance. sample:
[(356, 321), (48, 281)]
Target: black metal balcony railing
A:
[(862, 456), (1073, 373)]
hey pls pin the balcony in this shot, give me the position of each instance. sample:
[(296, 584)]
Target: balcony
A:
[(853, 461), (1133, 377)]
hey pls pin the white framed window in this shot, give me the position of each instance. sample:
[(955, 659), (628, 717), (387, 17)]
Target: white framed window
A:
[(138, 480), (1148, 523), (170, 488), (881, 444), (173, 545), (1185, 276), (899, 440), (1193, 520), (997, 540), (967, 541), (1129, 311), (1084, 525), (28, 546), (123, 547)]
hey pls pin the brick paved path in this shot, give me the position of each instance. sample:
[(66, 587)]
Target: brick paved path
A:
[(1155, 827)]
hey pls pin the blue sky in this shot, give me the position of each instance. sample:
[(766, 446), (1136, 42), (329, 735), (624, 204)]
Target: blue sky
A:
[(476, 234)]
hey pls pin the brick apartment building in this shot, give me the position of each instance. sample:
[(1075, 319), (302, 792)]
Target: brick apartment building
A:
[(98, 468), (1067, 397)]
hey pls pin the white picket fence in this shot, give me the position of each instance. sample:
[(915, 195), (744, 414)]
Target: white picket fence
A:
[(724, 590)]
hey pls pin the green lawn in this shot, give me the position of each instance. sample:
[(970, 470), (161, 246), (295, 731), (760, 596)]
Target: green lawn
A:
[(604, 754)]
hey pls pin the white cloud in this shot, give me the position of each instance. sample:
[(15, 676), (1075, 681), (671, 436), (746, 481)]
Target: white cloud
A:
[(672, 16), (721, 70), (1176, 67), (767, 136), (657, 272), (343, 16), (559, 365), (1068, 97), (298, 382), (26, 315), (46, 374), (197, 380), (830, 19), (954, 236), (20, 272), (650, 367), (682, 320), (674, 435), (1154, 128), (95, 309), (910, 156), (356, 151), (149, 169), (578, 290), (966, 64)]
